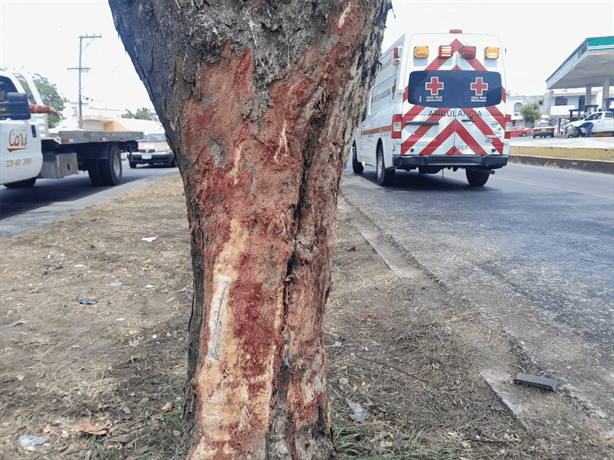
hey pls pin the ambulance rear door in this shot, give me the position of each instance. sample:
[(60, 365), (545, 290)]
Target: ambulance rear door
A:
[(456, 97)]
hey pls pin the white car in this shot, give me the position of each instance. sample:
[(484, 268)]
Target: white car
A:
[(153, 149)]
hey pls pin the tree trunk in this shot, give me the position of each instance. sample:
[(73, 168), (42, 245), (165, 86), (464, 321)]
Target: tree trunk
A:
[(260, 101)]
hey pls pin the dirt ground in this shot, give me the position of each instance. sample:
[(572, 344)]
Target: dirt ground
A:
[(94, 313)]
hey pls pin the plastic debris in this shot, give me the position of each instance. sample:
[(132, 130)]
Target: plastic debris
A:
[(115, 283), (86, 301), (535, 381), (120, 319), (19, 323), (32, 442), (359, 413), (149, 239)]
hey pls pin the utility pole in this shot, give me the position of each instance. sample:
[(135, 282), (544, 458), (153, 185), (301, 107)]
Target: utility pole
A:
[(82, 69)]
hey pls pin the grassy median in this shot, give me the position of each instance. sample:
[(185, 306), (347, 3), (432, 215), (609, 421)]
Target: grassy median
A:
[(558, 152)]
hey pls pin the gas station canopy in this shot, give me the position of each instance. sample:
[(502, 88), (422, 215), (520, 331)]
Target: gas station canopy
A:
[(591, 64)]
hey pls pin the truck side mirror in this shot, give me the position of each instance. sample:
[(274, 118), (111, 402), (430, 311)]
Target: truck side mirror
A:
[(15, 107)]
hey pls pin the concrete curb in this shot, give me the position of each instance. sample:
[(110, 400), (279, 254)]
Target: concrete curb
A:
[(597, 166)]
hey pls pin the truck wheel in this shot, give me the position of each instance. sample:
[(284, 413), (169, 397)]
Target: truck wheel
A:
[(22, 183), (95, 173), (476, 178), (384, 176), (111, 168), (357, 166)]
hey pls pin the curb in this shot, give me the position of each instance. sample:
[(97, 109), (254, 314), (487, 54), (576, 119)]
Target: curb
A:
[(596, 166)]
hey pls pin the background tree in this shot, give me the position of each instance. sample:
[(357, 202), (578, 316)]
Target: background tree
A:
[(260, 101), (141, 114), (530, 112), (48, 93)]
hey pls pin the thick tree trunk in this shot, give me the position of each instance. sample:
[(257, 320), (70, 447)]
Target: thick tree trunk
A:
[(260, 101)]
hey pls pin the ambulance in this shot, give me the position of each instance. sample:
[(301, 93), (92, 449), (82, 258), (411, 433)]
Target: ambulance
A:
[(438, 102)]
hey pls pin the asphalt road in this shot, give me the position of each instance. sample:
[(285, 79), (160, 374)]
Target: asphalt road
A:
[(538, 240), (53, 199)]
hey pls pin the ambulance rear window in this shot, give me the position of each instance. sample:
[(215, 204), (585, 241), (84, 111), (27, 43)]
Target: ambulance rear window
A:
[(454, 88)]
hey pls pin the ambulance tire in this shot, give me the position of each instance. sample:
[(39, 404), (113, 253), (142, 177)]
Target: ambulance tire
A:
[(476, 178), (357, 166), (384, 176)]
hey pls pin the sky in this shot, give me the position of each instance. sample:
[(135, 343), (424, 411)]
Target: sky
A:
[(42, 36)]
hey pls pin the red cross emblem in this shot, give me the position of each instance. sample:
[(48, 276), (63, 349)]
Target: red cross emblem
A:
[(479, 86), (434, 86)]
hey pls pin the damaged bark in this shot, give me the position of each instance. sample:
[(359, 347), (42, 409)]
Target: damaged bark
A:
[(259, 100)]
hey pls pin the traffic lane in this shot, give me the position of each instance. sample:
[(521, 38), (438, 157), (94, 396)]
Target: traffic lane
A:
[(529, 233), (46, 191), (51, 211)]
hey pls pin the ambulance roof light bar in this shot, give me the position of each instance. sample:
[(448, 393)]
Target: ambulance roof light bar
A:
[(421, 52), (491, 53), (445, 51), (468, 52)]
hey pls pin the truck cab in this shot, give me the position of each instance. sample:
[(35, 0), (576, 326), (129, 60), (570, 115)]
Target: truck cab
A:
[(20, 139)]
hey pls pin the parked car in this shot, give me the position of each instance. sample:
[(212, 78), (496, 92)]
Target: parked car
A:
[(520, 131), (153, 149), (543, 129)]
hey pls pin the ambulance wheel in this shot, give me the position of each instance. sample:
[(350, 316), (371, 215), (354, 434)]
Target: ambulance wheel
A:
[(357, 166), (384, 176), (476, 178)]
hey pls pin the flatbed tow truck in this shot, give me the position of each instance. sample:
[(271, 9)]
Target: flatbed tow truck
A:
[(29, 150)]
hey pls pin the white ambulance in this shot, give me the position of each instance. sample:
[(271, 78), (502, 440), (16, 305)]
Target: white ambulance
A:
[(438, 102)]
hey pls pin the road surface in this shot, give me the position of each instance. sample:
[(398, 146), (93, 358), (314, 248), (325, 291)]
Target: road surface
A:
[(53, 199), (532, 251)]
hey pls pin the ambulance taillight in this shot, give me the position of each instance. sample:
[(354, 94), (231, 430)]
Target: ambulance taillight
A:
[(491, 53), (445, 51), (397, 126)]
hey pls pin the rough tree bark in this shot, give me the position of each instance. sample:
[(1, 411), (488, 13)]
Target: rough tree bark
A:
[(260, 100)]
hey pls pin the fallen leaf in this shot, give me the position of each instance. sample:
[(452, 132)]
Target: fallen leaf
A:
[(68, 448), (167, 407), (352, 249), (92, 428), (466, 445)]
